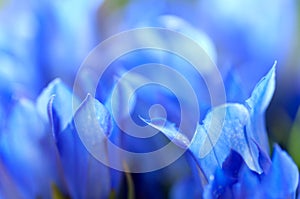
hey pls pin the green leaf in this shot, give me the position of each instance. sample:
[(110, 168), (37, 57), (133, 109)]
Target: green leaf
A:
[(56, 193), (113, 5), (3, 3), (294, 140), (129, 180), (112, 195)]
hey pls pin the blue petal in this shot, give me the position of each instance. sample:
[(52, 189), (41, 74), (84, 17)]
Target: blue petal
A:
[(184, 189), (220, 184), (177, 24), (2, 117), (214, 141), (234, 90), (169, 130), (248, 181), (280, 181), (258, 103), (86, 177), (25, 142), (223, 130), (122, 98), (263, 92), (218, 188), (283, 178), (63, 102), (65, 50), (8, 187)]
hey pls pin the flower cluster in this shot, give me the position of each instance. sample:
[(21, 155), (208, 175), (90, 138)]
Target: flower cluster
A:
[(97, 134)]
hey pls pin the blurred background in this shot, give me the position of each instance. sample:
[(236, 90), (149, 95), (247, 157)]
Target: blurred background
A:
[(42, 40)]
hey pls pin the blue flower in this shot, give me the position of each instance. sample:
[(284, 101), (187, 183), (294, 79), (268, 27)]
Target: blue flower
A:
[(85, 176), (32, 159), (248, 34), (27, 154), (233, 136), (51, 147), (18, 29), (65, 37), (280, 181), (42, 40)]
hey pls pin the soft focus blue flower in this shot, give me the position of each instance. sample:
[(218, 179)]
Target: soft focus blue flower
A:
[(19, 30), (28, 152), (33, 161), (150, 95), (85, 176), (44, 138), (250, 34), (67, 32), (42, 40)]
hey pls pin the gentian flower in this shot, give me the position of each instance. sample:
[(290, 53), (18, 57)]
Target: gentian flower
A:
[(280, 181), (27, 154), (246, 35), (245, 25), (43, 143), (36, 164), (44, 40), (85, 176), (241, 143), (65, 37), (17, 52)]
